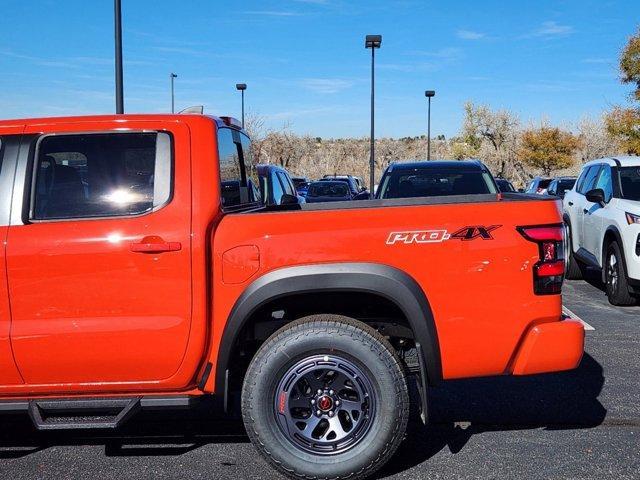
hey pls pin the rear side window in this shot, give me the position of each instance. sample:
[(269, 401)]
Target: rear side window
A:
[(239, 181), (100, 175)]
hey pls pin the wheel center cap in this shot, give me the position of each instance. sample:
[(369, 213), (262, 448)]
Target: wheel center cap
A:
[(325, 403)]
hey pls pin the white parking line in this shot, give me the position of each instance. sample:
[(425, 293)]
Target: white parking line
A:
[(573, 316)]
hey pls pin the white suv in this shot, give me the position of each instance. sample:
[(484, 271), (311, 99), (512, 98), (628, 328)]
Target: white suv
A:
[(602, 213)]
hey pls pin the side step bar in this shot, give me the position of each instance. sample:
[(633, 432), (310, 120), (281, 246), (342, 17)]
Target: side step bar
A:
[(90, 413), (81, 414)]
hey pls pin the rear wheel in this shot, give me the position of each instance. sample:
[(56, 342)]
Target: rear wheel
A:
[(326, 398), (615, 276)]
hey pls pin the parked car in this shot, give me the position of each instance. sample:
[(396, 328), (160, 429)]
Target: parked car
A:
[(504, 185), (301, 184), (602, 213), (328, 191), (357, 181), (436, 178), (355, 192), (538, 185), (559, 186), (276, 186), (157, 288)]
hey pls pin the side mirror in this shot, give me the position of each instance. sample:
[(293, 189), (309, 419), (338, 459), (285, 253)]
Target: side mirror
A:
[(288, 199), (596, 196)]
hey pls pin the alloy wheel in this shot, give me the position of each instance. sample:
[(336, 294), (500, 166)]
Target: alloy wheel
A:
[(325, 404)]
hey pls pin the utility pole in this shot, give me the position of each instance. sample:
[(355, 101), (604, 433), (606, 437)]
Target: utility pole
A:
[(118, 56), (429, 94), (173, 76), (373, 42)]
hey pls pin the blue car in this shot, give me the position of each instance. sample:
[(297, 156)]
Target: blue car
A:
[(356, 192)]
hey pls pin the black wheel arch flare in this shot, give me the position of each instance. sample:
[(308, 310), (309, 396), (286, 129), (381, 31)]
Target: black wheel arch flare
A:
[(383, 280)]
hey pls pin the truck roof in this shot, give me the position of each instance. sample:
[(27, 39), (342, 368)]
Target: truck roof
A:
[(220, 121), (466, 165), (618, 160)]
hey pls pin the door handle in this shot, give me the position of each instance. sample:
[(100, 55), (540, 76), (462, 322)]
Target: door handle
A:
[(154, 244), (571, 204), (585, 211)]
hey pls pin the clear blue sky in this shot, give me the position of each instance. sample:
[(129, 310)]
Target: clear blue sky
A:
[(305, 62)]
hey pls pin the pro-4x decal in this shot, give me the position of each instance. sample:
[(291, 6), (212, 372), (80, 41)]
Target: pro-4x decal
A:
[(478, 231), (437, 236)]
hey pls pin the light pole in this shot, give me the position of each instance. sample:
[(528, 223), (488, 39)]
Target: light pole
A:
[(372, 42), (118, 56), (242, 87), (172, 77), (429, 94)]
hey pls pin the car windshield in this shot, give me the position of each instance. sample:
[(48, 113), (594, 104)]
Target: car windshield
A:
[(432, 182), (566, 184), (544, 183), (630, 182), (504, 185), (326, 189)]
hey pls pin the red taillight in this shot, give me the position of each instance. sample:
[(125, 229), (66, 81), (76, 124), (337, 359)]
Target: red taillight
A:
[(550, 269), (548, 272)]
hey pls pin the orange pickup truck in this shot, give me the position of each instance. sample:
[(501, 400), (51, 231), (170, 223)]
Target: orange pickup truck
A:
[(141, 270)]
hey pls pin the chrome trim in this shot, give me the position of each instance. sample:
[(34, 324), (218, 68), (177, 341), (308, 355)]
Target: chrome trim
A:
[(20, 181), (9, 149), (162, 171)]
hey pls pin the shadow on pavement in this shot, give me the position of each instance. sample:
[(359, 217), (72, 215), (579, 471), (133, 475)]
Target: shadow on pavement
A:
[(459, 409), (463, 408)]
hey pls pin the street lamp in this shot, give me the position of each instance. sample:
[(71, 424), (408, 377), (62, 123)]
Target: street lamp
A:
[(118, 55), (429, 94), (242, 87), (372, 42), (172, 77)]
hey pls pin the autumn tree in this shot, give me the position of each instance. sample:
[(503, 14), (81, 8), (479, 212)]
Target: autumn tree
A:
[(548, 148), (630, 63), (624, 124)]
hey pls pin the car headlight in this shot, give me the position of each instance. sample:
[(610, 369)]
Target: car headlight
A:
[(631, 218)]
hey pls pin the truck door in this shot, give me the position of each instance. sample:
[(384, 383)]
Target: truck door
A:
[(593, 219), (9, 145), (582, 205), (98, 254)]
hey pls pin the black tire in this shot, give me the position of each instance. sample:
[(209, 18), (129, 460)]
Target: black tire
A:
[(328, 337), (574, 268), (615, 277)]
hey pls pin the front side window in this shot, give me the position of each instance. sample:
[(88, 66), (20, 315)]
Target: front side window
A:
[(100, 175), (277, 190), (589, 179), (604, 182), (287, 186), (630, 183)]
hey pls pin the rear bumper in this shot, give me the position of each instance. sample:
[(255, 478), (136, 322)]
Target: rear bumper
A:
[(550, 347)]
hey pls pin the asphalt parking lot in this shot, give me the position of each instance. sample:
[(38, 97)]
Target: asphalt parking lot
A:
[(579, 424)]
